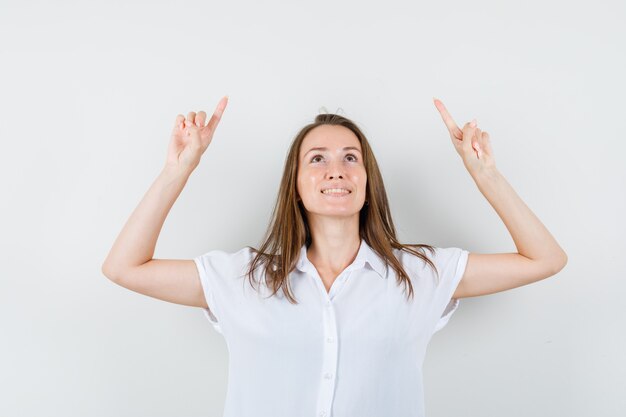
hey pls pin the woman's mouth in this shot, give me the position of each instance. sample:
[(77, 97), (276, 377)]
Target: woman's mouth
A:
[(336, 192)]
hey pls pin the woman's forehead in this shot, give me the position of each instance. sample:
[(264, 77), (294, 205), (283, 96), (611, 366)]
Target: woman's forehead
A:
[(331, 137)]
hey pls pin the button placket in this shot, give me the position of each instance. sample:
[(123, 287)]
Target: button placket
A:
[(340, 282), (329, 362)]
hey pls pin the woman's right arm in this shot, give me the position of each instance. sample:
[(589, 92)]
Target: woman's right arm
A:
[(129, 262)]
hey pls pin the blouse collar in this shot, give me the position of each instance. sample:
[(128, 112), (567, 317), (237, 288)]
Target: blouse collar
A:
[(365, 255)]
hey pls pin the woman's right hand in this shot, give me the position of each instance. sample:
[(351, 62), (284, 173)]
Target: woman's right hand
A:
[(190, 138)]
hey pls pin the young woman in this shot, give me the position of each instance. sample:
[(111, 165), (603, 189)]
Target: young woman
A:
[(332, 315)]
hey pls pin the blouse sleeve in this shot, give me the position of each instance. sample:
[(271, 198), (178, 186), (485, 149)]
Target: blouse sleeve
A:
[(451, 263), (216, 269)]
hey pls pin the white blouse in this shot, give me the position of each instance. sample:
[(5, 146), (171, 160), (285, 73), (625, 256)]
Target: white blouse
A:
[(356, 350)]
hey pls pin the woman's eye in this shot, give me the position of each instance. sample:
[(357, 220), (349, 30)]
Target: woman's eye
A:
[(354, 158)]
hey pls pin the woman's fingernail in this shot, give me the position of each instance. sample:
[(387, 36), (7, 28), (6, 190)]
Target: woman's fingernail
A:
[(473, 123)]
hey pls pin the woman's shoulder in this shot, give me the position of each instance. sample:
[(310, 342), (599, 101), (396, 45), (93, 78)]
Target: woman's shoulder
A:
[(438, 255), (228, 257), (407, 254)]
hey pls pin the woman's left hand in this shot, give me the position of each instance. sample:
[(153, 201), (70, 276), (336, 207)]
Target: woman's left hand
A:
[(471, 143)]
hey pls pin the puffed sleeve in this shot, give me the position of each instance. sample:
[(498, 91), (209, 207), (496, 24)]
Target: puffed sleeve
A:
[(216, 269), (451, 263)]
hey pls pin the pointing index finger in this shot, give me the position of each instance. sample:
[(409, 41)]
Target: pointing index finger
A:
[(447, 119), (217, 114)]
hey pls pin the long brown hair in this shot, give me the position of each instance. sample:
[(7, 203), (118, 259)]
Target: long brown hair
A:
[(289, 228)]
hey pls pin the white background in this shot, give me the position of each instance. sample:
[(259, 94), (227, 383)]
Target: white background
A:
[(88, 95)]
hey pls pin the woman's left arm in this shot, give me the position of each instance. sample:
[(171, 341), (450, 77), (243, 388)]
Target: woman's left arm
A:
[(539, 255)]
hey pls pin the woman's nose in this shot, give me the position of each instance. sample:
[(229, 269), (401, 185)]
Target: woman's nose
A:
[(335, 174), (335, 170)]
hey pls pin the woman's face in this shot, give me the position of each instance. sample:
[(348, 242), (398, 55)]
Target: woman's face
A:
[(339, 165)]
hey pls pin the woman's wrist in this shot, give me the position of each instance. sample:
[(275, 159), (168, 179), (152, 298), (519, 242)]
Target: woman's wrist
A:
[(171, 174), (486, 175)]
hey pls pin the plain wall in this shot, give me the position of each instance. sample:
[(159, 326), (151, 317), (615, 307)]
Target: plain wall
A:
[(88, 95)]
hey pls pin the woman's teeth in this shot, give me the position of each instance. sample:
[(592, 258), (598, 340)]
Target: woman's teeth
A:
[(336, 191)]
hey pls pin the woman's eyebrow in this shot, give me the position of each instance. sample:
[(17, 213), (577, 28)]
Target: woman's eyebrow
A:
[(347, 148)]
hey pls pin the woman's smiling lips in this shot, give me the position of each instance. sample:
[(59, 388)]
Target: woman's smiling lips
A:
[(337, 193)]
